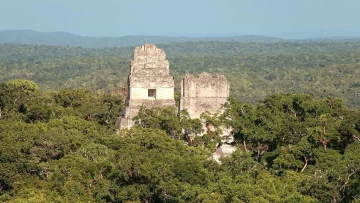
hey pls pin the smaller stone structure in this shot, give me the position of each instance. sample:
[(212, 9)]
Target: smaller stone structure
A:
[(203, 93)]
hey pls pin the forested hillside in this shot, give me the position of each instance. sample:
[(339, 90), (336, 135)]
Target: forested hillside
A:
[(61, 146), (68, 39), (254, 70)]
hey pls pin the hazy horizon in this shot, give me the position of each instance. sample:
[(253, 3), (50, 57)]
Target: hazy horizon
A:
[(203, 18)]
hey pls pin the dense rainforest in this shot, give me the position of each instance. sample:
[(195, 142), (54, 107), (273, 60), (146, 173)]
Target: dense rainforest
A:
[(255, 70), (293, 111), (61, 146)]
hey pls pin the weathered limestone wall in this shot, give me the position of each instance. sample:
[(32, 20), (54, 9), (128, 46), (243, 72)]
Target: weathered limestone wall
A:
[(205, 86), (203, 93), (149, 60), (149, 70), (148, 80), (165, 93)]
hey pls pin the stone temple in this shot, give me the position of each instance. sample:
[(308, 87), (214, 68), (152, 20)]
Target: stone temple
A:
[(149, 83), (203, 93)]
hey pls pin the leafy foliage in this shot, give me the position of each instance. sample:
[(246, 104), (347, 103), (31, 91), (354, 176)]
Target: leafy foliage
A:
[(57, 148)]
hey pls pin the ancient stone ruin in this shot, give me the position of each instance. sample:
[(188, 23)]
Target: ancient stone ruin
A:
[(207, 93), (203, 93), (149, 83)]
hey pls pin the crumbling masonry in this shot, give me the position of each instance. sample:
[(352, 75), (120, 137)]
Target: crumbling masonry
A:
[(203, 93), (150, 85)]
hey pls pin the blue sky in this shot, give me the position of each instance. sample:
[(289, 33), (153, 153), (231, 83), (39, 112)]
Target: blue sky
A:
[(184, 17)]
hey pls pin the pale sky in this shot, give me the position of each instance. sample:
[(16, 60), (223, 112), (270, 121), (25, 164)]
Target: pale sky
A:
[(183, 17)]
